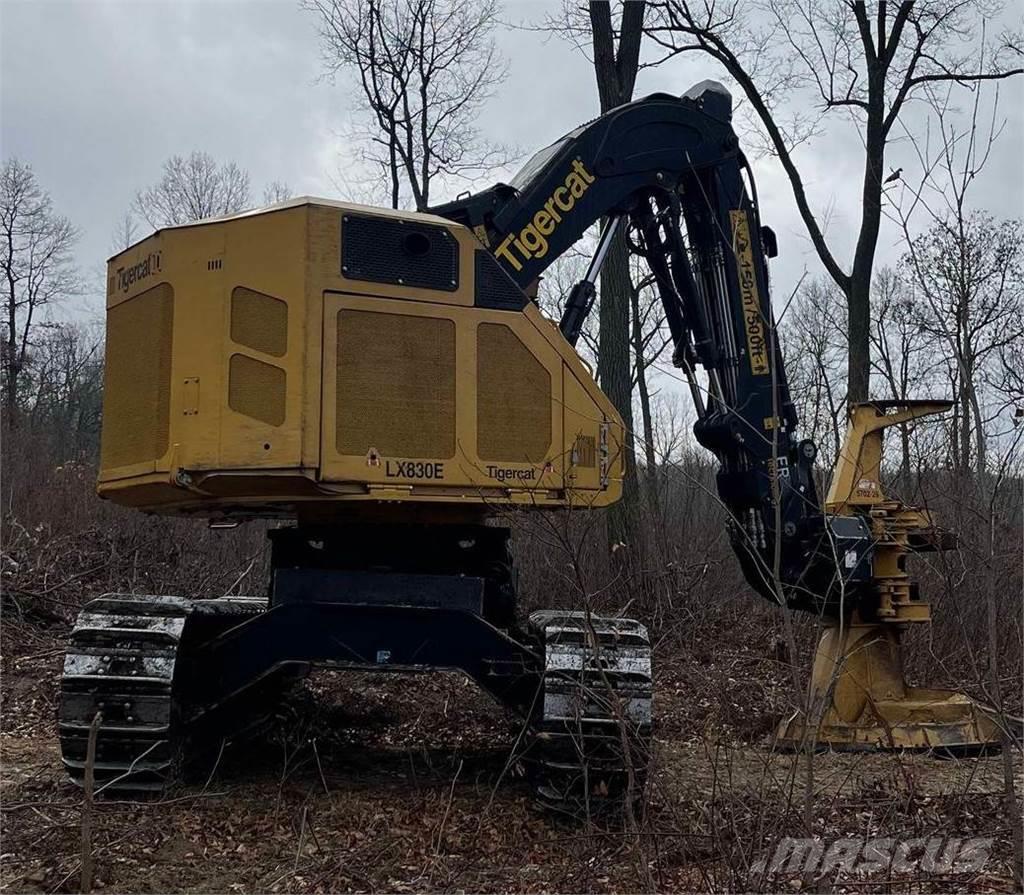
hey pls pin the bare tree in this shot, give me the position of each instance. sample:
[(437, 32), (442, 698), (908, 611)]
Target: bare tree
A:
[(37, 267), (967, 274), (650, 339), (126, 233), (815, 349), (424, 70), (672, 425), (191, 188), (67, 389), (966, 270), (899, 347), (802, 63), (276, 191), (970, 274), (1008, 380)]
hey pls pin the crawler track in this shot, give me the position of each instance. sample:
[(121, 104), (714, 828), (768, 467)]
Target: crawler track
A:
[(591, 739), (121, 662), (124, 660), (138, 661)]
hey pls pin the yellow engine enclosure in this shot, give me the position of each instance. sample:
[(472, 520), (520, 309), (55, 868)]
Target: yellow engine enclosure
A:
[(247, 374)]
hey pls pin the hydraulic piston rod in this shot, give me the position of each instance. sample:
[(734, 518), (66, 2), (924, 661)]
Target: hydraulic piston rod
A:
[(581, 298)]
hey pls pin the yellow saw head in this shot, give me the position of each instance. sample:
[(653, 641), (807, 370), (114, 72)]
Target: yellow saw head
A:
[(896, 529)]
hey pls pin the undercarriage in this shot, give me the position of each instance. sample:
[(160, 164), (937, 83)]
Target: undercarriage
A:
[(174, 679)]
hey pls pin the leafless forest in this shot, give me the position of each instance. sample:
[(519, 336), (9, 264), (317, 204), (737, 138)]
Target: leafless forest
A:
[(377, 783)]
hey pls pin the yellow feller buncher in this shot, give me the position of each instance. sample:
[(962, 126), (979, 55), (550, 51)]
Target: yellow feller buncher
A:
[(384, 380)]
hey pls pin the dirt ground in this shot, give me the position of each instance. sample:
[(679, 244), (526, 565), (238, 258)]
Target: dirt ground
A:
[(379, 783)]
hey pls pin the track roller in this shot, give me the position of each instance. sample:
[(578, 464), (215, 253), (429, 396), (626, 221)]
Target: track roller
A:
[(591, 732)]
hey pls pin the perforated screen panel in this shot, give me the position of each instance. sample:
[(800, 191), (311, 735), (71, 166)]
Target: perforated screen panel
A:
[(513, 398), (402, 253), (259, 321), (492, 287), (137, 378), (257, 389), (396, 385)]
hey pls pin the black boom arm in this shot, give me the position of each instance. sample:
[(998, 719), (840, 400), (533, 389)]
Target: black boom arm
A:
[(670, 169)]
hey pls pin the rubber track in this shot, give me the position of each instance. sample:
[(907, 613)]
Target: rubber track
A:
[(592, 738), (121, 662)]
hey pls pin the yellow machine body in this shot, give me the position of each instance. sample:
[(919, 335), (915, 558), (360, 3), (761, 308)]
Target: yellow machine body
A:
[(251, 371)]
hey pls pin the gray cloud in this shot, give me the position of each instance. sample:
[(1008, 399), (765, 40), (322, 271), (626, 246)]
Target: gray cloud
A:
[(97, 94)]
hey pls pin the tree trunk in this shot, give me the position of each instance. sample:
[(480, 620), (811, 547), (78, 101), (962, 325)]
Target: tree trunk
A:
[(980, 443), (858, 316), (964, 411), (393, 172), (905, 453), (616, 75), (858, 291), (616, 379), (650, 457), (954, 433), (11, 368)]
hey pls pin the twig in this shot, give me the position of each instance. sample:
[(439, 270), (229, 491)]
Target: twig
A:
[(302, 839), (43, 655), (131, 767), (90, 769), (447, 808), (216, 765), (320, 768)]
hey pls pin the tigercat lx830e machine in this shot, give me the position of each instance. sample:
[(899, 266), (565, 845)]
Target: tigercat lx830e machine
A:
[(383, 379)]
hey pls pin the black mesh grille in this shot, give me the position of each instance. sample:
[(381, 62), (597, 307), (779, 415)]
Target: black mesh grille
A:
[(493, 287), (402, 253)]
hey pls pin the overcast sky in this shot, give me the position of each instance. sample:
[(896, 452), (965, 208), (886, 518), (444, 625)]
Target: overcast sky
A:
[(95, 95)]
